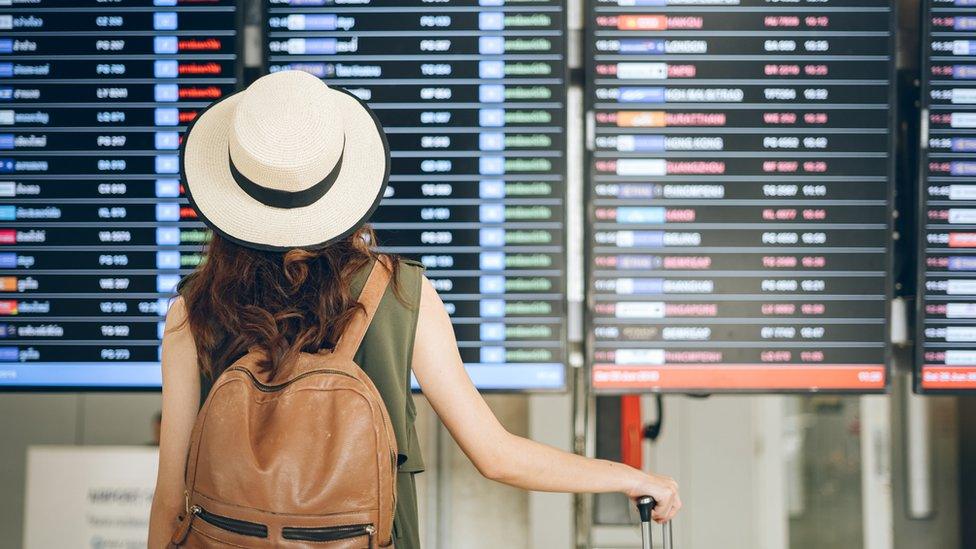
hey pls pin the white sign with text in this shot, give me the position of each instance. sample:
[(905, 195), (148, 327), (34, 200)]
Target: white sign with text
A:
[(89, 496)]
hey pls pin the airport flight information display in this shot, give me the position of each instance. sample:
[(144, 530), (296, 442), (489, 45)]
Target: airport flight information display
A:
[(93, 232), (739, 192), (472, 97), (946, 318)]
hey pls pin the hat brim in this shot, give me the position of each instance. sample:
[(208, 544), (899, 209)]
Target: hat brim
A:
[(232, 213)]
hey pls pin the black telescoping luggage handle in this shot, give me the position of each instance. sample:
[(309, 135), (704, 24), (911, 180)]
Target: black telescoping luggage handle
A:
[(645, 504)]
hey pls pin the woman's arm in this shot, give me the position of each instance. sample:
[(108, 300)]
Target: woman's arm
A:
[(498, 454), (181, 399)]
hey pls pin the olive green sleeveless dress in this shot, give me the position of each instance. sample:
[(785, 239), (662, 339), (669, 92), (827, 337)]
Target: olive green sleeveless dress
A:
[(385, 356)]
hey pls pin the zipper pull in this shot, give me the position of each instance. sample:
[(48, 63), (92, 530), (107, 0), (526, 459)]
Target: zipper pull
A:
[(184, 529), (371, 532)]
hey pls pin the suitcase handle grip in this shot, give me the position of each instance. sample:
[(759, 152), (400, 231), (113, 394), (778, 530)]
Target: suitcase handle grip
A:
[(645, 504)]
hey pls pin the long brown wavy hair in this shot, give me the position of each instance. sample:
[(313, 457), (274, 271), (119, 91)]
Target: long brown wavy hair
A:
[(284, 303)]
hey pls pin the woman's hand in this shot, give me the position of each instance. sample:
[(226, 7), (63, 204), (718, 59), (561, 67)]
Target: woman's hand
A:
[(664, 490)]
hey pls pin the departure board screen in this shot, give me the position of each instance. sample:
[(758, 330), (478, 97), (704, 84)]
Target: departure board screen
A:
[(739, 194), (946, 316), (472, 97), (94, 233)]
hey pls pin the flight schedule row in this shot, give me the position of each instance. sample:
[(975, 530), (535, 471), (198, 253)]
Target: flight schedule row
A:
[(472, 98), (946, 317), (739, 184), (94, 230)]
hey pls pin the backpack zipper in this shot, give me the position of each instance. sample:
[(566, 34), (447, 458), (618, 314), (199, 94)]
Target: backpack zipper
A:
[(237, 526), (396, 478), (253, 529), (328, 533), (273, 388)]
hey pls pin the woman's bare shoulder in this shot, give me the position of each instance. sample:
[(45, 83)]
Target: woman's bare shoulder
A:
[(176, 314), (177, 337)]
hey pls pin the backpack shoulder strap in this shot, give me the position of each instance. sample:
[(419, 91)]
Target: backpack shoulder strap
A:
[(372, 293)]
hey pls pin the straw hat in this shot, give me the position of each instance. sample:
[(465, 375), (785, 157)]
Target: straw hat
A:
[(287, 163)]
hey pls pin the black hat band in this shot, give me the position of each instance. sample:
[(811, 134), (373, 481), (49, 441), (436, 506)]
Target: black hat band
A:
[(285, 199)]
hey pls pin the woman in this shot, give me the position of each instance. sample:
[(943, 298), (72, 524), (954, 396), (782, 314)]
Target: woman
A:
[(286, 173)]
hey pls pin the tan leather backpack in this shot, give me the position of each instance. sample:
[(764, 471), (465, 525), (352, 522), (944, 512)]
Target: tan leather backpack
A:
[(305, 459)]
